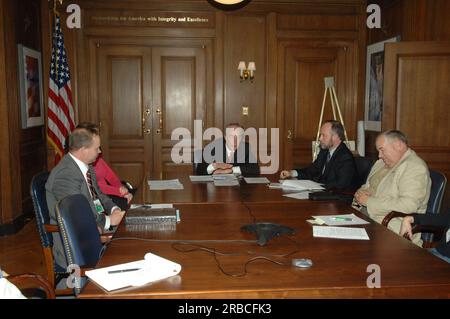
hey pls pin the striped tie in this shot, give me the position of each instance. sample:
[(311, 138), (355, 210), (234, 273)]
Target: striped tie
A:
[(91, 187)]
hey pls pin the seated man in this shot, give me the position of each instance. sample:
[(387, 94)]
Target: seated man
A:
[(75, 175), (398, 181), (440, 220), (228, 155), (107, 179), (334, 165)]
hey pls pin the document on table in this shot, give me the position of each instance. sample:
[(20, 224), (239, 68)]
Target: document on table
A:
[(341, 220), (256, 180), (280, 186), (301, 195), (157, 185), (223, 176), (136, 273), (201, 178), (340, 232), (226, 182), (302, 184), (151, 206)]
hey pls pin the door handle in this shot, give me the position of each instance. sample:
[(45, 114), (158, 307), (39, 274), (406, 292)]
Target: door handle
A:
[(159, 112), (145, 114)]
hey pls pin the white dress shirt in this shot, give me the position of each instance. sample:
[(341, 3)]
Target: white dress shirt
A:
[(84, 169)]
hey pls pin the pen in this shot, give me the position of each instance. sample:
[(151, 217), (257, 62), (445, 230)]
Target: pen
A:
[(347, 219), (122, 270)]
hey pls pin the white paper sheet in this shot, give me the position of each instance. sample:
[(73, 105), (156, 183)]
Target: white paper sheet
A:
[(341, 220), (201, 178), (226, 182), (301, 195), (340, 232), (165, 184), (302, 184), (256, 180), (152, 268)]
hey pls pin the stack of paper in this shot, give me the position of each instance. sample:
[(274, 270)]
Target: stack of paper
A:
[(256, 180), (201, 178), (225, 180), (136, 273), (340, 232), (340, 220), (165, 184), (305, 185), (301, 195)]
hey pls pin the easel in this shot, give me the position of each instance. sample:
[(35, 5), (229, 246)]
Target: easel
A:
[(329, 86)]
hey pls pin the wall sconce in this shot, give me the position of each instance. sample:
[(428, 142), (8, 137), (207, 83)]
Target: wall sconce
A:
[(245, 73)]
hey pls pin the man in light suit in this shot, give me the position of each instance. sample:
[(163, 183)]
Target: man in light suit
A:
[(228, 155), (334, 166), (398, 181), (72, 176)]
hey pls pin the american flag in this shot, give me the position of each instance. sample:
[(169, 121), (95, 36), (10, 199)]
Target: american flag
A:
[(61, 115)]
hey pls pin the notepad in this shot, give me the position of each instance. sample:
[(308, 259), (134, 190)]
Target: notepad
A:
[(340, 232), (151, 268)]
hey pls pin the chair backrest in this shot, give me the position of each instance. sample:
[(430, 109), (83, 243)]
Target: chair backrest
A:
[(438, 184), (363, 167), (37, 190), (79, 232)]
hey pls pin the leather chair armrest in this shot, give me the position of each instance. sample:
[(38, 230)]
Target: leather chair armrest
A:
[(32, 281), (392, 215)]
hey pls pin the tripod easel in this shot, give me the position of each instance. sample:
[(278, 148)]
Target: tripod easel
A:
[(329, 86)]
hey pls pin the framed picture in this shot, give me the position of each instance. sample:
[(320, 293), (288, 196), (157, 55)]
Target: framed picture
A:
[(31, 96), (374, 84)]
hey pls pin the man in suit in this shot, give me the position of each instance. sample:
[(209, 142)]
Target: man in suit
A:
[(398, 181), (75, 175), (335, 165), (228, 155)]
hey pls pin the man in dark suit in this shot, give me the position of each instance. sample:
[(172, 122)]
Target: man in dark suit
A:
[(75, 175), (228, 155), (335, 165)]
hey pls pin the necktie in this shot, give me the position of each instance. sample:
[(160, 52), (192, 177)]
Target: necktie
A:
[(326, 162), (91, 187)]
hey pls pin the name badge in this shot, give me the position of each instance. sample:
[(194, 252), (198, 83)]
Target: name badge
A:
[(98, 206)]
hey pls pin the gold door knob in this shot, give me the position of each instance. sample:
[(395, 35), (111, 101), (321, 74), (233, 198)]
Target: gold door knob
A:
[(147, 131)]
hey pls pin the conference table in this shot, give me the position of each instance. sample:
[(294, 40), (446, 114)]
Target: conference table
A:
[(219, 260)]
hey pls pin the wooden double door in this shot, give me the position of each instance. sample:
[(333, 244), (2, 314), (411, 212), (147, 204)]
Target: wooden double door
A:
[(144, 93)]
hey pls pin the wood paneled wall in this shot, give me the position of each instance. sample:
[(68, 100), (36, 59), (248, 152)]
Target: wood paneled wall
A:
[(412, 20), (23, 150)]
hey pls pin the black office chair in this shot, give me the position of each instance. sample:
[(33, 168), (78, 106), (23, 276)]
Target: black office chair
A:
[(54, 272), (438, 184), (363, 167), (81, 238)]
